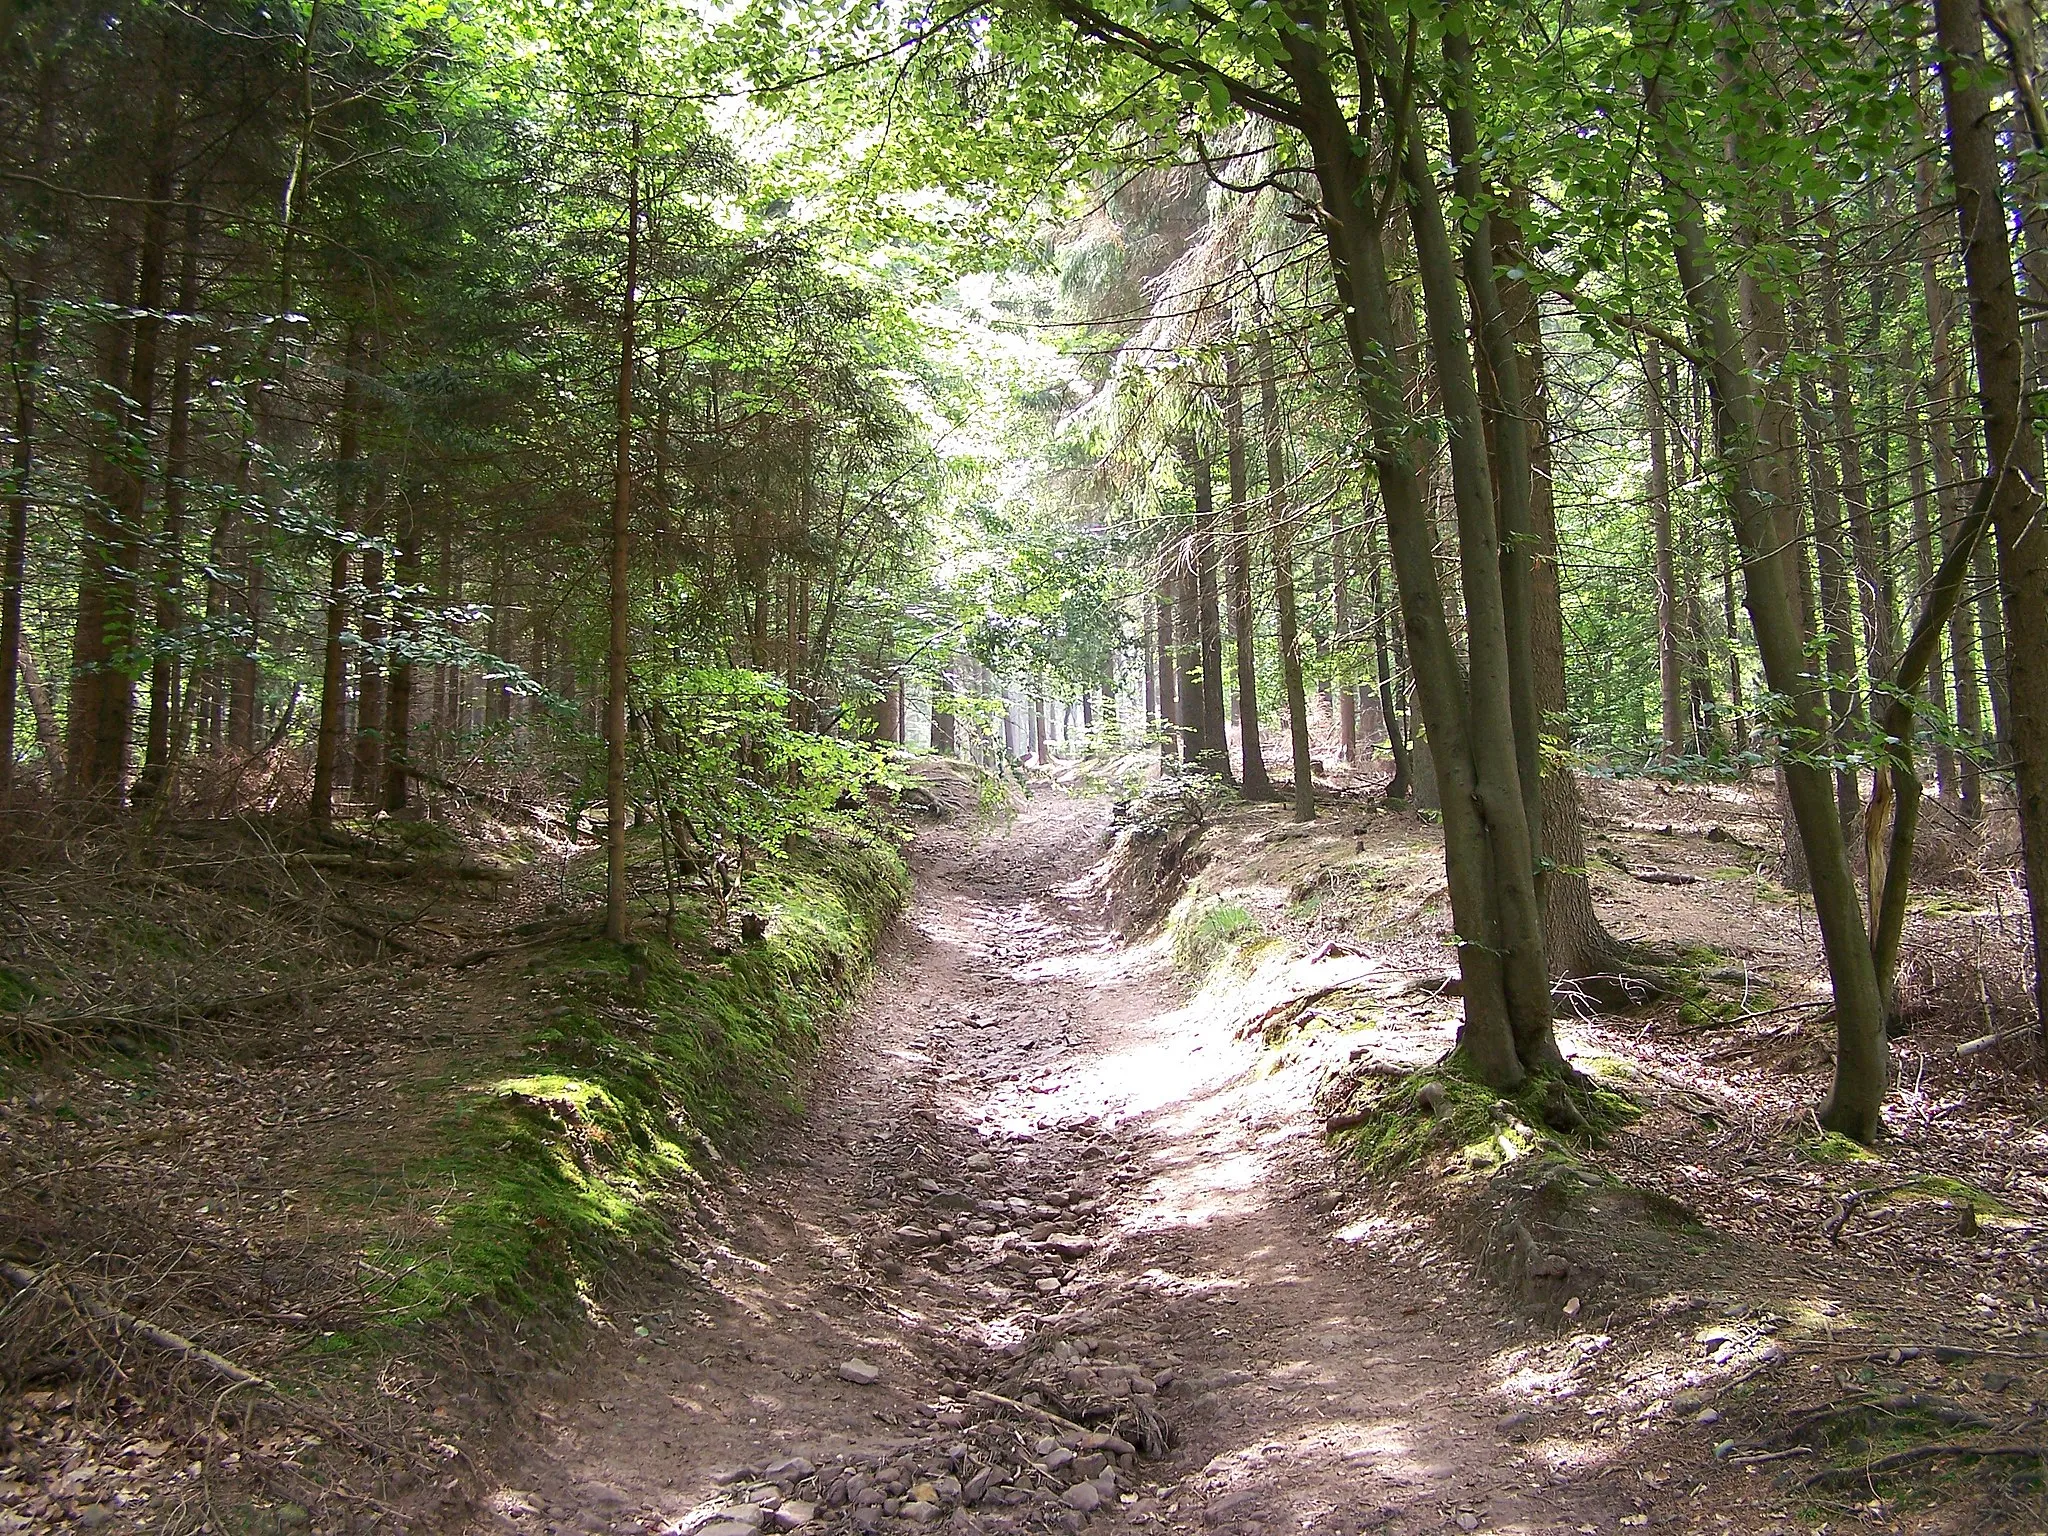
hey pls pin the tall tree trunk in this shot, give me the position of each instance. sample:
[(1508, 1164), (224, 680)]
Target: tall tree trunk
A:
[(1283, 583), (1402, 783), (398, 698), (1939, 304), (1497, 541), (107, 641), (1244, 630), (1148, 624), (945, 731), (1873, 584), (1576, 943), (1921, 492), (372, 666), (1845, 713), (1341, 637), (333, 671), (1169, 651), (1490, 1037), (2012, 444), (1187, 659), (618, 648), (1670, 662), (1769, 577), (1212, 755), (160, 730), (26, 362)]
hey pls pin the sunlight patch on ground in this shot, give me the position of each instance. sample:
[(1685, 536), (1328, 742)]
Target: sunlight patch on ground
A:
[(1379, 1232), (1203, 1191)]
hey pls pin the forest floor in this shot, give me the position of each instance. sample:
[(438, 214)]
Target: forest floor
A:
[(1064, 1237), (1051, 1169)]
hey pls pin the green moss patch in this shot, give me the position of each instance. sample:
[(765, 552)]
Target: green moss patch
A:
[(1943, 1190), (645, 1062), (1444, 1108), (1832, 1148)]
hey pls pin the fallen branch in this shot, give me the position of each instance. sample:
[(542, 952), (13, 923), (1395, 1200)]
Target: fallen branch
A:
[(1983, 1043), (1898, 1461), (1943, 1354), (1760, 1457), (554, 935), (24, 1279), (170, 1015), (1045, 1414), (1852, 1201)]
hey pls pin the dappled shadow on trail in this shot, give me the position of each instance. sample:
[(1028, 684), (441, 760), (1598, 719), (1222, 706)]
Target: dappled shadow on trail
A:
[(1031, 1166)]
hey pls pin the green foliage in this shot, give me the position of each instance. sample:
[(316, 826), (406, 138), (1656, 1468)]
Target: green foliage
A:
[(733, 778), (1208, 933)]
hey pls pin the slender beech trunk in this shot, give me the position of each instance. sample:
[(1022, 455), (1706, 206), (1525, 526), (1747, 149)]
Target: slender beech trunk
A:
[(333, 669), (1923, 569), (1283, 583), (1845, 713), (1873, 585), (1941, 394), (1496, 543), (403, 670), (1212, 747), (2012, 443), (1403, 782), (1455, 725), (1340, 613), (618, 646), (1257, 786), (1769, 576), (1670, 665)]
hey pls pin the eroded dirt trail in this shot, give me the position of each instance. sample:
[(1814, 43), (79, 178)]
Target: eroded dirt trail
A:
[(1032, 1183)]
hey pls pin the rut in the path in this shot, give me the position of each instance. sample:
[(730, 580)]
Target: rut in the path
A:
[(1046, 1253)]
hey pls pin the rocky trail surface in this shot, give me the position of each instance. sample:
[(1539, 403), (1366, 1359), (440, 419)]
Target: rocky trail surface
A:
[(1049, 1251)]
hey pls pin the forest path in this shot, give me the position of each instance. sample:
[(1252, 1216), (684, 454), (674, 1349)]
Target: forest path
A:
[(1019, 1071)]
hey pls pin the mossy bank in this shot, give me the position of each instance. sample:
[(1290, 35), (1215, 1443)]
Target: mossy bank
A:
[(645, 1065)]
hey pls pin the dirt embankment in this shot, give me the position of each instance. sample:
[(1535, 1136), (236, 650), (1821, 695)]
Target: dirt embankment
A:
[(312, 1146)]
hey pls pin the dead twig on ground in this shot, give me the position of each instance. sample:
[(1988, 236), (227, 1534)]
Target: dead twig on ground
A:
[(24, 1279), (1898, 1461), (1046, 1415)]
